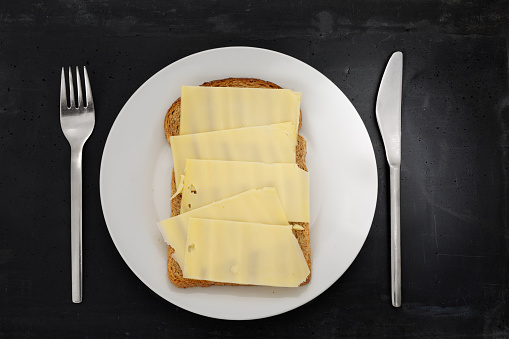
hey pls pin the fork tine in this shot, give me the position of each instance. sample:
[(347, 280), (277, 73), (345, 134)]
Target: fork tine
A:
[(88, 90), (78, 86), (63, 94), (71, 90)]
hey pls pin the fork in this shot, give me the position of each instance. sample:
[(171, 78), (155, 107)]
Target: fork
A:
[(77, 124)]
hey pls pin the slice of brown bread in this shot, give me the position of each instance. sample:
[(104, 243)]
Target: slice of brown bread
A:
[(172, 128)]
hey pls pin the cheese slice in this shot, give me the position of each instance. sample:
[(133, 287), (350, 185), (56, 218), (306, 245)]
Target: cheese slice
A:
[(206, 181), (205, 109), (261, 206), (244, 253), (267, 144)]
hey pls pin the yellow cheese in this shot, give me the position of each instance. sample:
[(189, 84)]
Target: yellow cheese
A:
[(261, 206), (243, 253), (205, 109), (206, 181), (267, 144)]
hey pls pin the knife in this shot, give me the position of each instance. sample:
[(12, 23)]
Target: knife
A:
[(388, 116)]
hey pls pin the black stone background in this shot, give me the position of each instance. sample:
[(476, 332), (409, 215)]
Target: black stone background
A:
[(454, 179)]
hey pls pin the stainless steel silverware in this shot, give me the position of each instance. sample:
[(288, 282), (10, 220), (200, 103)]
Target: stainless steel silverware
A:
[(77, 123), (388, 115)]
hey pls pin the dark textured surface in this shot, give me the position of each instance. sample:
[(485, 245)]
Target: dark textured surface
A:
[(455, 168)]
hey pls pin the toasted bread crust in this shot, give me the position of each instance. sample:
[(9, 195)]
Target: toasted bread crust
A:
[(172, 128)]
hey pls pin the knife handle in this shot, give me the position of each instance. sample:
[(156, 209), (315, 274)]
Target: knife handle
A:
[(395, 236)]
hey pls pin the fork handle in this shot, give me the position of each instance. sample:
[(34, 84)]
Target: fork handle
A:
[(395, 236), (76, 205)]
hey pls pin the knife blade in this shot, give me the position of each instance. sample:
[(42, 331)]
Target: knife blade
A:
[(388, 116)]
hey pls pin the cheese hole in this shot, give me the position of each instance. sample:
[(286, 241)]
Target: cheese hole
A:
[(193, 189), (191, 248), (189, 205)]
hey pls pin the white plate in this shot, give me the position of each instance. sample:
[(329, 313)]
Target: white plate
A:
[(136, 167)]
